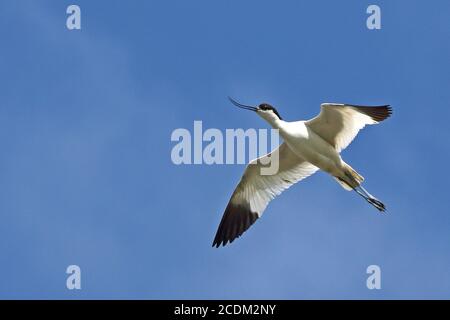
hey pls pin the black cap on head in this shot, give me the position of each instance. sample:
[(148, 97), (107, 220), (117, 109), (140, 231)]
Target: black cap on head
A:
[(266, 106)]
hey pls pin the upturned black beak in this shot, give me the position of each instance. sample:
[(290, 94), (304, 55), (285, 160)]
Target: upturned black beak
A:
[(242, 106)]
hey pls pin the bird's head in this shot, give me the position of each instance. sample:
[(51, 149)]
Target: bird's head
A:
[(264, 110)]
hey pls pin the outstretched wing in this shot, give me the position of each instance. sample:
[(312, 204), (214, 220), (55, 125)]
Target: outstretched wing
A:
[(339, 124), (255, 191)]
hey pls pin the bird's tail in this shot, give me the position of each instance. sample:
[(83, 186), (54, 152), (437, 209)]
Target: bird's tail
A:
[(351, 180), (353, 174)]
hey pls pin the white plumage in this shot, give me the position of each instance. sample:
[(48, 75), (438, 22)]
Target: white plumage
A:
[(308, 146)]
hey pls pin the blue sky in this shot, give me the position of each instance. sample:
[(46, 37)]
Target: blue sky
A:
[(86, 176)]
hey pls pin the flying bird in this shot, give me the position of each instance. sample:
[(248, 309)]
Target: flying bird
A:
[(308, 146)]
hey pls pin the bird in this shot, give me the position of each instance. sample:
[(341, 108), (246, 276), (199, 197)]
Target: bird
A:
[(307, 147)]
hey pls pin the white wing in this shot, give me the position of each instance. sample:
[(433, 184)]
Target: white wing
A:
[(255, 191), (338, 124)]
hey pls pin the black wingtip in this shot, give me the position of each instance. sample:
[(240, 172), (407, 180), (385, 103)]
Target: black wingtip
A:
[(235, 221), (377, 113)]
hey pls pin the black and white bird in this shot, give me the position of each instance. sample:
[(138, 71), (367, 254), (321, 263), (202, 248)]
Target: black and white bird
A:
[(308, 146)]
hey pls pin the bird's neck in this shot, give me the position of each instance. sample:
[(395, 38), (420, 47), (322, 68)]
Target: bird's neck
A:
[(276, 123)]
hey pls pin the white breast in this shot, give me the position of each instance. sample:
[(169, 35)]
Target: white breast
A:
[(310, 146)]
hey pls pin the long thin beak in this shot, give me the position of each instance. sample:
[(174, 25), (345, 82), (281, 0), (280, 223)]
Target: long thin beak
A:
[(242, 106)]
